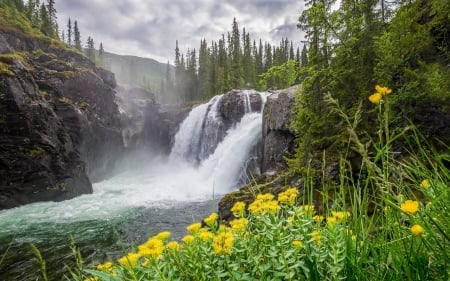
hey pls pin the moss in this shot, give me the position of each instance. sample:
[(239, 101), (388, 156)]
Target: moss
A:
[(13, 20), (36, 153), (5, 69), (64, 100), (83, 105), (66, 74)]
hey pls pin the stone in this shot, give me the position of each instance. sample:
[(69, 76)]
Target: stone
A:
[(278, 138), (60, 127)]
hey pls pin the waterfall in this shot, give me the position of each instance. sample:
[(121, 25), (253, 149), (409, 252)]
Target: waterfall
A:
[(198, 133), (152, 191), (220, 156)]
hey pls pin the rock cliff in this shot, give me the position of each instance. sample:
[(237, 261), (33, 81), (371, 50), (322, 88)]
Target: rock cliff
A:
[(278, 138), (58, 121)]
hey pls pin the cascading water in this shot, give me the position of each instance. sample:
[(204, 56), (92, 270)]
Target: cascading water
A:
[(164, 193), (199, 133)]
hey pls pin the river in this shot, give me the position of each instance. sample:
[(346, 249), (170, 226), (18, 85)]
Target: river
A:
[(147, 194)]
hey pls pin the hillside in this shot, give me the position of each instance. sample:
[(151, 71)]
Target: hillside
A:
[(131, 70)]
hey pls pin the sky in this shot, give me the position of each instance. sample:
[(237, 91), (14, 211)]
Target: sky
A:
[(149, 28)]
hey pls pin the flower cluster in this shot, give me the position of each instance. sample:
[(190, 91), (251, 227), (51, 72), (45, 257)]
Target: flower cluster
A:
[(211, 220), (223, 242), (288, 196), (238, 209), (264, 203), (379, 94)]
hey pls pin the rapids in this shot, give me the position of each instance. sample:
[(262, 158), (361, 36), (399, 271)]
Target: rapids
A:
[(149, 194)]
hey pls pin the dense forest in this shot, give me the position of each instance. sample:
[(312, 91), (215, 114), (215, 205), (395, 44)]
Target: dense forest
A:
[(404, 45), (236, 61)]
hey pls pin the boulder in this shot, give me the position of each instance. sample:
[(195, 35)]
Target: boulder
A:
[(235, 103), (278, 138)]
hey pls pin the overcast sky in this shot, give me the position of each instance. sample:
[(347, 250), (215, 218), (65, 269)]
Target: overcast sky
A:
[(149, 28)]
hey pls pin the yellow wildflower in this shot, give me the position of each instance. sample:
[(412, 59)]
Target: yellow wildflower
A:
[(173, 245), (265, 197), (95, 278), (340, 215), (383, 90), (331, 221), (316, 236), (288, 196), (206, 236), (237, 225), (238, 209), (297, 244), (416, 230), (224, 228), (152, 249), (188, 239), (375, 98), (193, 228), (307, 208), (425, 184), (318, 219), (410, 206), (353, 237), (223, 243), (163, 235), (130, 259), (107, 266), (264, 204), (211, 220)]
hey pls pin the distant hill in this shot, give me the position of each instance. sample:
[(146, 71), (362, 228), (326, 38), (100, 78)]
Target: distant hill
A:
[(131, 70)]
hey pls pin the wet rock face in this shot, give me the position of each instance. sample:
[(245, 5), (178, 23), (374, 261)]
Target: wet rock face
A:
[(145, 123), (278, 138), (236, 103), (38, 160), (59, 123)]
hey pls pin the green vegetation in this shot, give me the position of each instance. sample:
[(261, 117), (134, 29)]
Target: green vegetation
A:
[(36, 153), (233, 62), (389, 222), (352, 49)]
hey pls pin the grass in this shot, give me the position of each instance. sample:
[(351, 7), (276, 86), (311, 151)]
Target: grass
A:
[(389, 221)]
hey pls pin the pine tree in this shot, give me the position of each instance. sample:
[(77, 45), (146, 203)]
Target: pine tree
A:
[(90, 48), (236, 57), (204, 69), (69, 32), (77, 37), (51, 10), (46, 26)]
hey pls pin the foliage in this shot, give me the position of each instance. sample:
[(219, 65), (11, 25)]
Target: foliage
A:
[(389, 225), (404, 45), (282, 76), (235, 61)]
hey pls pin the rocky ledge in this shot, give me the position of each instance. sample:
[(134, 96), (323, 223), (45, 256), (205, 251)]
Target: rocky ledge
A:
[(58, 121)]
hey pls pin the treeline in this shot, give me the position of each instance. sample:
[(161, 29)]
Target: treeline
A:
[(43, 17), (234, 61)]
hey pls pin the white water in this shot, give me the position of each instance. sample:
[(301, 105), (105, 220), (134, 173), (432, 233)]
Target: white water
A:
[(158, 183), (193, 142)]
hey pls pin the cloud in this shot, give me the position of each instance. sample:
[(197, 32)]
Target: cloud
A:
[(149, 28)]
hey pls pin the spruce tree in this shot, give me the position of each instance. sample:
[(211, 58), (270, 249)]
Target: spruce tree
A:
[(69, 32), (90, 48), (51, 10), (46, 26), (77, 37)]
